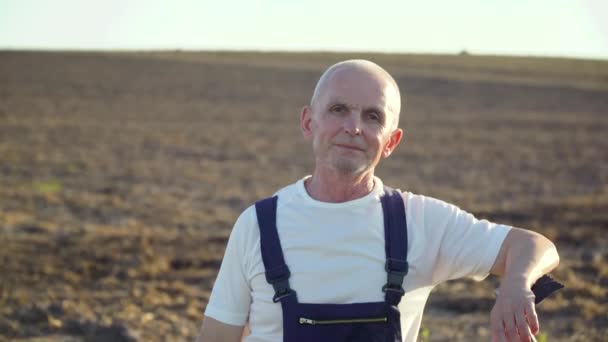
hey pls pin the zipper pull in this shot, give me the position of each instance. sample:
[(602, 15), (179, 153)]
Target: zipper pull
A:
[(307, 321)]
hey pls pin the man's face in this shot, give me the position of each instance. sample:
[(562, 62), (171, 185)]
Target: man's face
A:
[(351, 125)]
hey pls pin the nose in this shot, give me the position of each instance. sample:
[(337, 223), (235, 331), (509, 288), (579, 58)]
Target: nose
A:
[(352, 125)]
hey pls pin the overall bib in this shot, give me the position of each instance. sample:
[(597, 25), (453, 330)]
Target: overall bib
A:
[(373, 321)]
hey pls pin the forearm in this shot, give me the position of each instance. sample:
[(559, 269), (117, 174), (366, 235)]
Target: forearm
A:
[(525, 256)]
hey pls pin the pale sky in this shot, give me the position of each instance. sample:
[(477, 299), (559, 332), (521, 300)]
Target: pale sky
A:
[(569, 28)]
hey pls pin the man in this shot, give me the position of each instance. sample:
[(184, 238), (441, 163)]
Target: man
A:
[(330, 228)]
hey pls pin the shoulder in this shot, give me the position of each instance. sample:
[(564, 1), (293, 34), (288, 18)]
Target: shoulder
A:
[(246, 228), (247, 218), (432, 217), (287, 194), (427, 205)]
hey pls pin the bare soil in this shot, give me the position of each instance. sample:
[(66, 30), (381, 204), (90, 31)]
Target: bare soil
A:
[(121, 175)]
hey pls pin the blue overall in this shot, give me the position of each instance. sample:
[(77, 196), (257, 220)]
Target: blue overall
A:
[(374, 321)]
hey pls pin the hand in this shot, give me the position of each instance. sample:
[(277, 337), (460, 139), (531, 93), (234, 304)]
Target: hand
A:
[(513, 317)]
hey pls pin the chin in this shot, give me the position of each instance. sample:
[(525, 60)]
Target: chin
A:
[(349, 167)]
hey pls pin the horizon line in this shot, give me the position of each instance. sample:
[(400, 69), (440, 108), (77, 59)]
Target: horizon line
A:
[(463, 52)]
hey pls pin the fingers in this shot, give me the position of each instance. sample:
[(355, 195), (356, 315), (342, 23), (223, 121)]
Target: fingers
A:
[(509, 326), (513, 317), (499, 336), (512, 332), (498, 333), (497, 326), (525, 335), (532, 318)]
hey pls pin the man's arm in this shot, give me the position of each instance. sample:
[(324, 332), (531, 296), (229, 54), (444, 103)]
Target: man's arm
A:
[(216, 331), (523, 258), (230, 297)]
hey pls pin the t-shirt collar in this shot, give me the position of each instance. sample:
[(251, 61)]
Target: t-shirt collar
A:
[(374, 195)]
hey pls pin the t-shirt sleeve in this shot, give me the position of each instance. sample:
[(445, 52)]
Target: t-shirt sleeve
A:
[(467, 247), (230, 298)]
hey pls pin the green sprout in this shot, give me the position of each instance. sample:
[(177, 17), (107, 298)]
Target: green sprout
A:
[(48, 187)]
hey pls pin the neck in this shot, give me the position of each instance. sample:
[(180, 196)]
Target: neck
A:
[(330, 186)]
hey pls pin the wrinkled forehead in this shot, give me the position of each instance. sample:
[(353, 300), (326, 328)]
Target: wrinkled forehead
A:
[(357, 87)]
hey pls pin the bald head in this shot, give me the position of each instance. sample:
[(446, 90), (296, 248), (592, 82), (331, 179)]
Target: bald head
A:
[(366, 71)]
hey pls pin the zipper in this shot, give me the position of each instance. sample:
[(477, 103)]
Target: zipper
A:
[(309, 321)]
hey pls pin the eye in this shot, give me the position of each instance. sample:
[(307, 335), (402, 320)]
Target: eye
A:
[(373, 116), (338, 109)]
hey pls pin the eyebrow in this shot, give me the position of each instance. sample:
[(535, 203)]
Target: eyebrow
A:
[(380, 112), (337, 101), (376, 109)]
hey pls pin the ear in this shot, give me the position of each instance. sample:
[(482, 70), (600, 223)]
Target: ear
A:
[(306, 122), (392, 143)]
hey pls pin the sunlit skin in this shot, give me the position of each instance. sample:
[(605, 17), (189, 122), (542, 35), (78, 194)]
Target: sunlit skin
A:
[(523, 258), (351, 123)]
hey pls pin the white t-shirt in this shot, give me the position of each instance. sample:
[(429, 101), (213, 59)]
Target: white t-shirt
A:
[(335, 252)]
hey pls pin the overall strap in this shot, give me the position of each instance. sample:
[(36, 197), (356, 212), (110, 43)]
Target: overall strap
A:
[(395, 237), (277, 272)]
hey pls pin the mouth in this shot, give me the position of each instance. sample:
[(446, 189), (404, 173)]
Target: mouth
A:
[(349, 147)]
